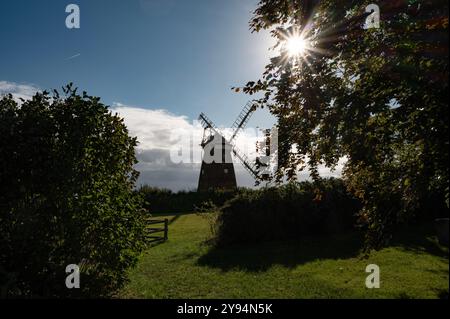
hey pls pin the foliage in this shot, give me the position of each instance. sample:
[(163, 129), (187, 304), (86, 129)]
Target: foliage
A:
[(66, 196), (292, 211), (376, 97), (209, 212), (164, 201)]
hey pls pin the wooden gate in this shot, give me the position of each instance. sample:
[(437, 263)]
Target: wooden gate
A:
[(157, 230)]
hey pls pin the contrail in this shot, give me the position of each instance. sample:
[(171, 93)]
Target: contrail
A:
[(73, 56)]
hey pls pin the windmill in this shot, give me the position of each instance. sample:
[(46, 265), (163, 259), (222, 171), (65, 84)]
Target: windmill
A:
[(217, 171)]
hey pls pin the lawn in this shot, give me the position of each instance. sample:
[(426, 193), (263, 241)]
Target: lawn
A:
[(415, 266)]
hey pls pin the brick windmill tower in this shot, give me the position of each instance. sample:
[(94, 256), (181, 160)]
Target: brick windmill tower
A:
[(217, 170)]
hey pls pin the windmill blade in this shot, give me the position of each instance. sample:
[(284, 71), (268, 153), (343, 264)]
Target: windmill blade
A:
[(251, 168), (242, 120), (207, 123)]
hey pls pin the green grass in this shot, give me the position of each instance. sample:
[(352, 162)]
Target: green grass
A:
[(186, 267)]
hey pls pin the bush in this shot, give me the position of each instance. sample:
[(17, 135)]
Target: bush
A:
[(66, 196), (287, 212), (163, 201)]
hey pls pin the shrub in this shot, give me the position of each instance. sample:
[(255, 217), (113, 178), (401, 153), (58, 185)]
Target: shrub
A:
[(287, 212), (66, 196), (165, 201)]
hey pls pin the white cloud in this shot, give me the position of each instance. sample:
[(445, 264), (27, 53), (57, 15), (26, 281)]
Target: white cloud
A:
[(18, 91), (153, 128)]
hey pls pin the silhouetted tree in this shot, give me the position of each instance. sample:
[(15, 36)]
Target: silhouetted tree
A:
[(377, 97)]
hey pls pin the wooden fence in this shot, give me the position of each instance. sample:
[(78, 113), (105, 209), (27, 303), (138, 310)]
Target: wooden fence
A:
[(157, 230)]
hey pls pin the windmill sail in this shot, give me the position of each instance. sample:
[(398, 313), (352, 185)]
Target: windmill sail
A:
[(242, 120), (251, 168)]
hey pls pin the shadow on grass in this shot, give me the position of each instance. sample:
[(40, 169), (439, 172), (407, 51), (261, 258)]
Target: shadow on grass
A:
[(443, 294), (419, 239), (173, 217), (260, 257)]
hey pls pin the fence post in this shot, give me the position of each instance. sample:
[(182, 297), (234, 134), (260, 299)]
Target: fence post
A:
[(166, 229)]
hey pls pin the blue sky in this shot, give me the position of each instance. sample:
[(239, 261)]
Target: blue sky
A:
[(179, 55), (158, 63)]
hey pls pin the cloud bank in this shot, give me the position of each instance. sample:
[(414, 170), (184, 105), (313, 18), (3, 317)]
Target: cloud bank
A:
[(19, 91)]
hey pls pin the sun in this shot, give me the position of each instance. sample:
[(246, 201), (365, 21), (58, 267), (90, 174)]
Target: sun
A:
[(296, 46)]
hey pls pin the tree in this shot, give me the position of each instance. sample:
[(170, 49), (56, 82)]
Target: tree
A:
[(66, 196), (376, 97)]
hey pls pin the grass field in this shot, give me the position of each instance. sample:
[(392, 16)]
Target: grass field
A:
[(186, 267)]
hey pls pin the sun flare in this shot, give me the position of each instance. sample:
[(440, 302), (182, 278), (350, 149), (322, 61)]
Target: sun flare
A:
[(296, 46)]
